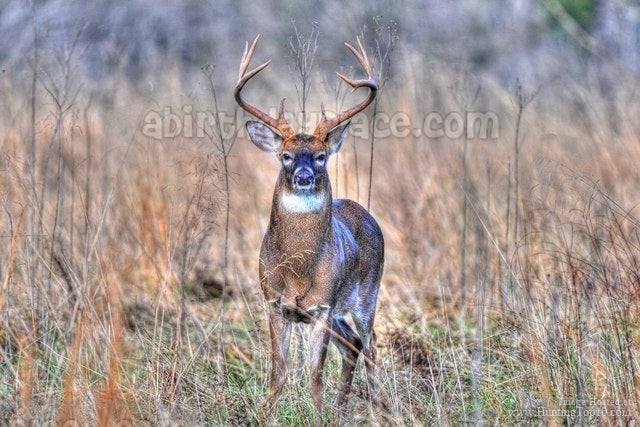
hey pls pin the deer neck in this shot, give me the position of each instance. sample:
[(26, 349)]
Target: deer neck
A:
[(301, 221)]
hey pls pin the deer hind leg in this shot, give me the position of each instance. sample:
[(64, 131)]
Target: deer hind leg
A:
[(280, 332), (350, 345), (363, 318)]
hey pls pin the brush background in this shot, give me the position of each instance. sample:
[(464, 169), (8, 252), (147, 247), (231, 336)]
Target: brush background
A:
[(128, 263)]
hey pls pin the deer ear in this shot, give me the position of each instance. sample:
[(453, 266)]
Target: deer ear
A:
[(264, 137), (334, 139)]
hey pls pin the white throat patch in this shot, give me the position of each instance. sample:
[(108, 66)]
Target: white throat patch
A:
[(301, 203)]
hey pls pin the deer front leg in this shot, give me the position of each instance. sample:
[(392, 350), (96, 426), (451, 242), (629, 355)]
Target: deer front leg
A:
[(280, 332), (319, 341)]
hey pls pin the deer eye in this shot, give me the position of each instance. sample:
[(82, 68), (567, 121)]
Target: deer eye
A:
[(286, 156), (320, 158)]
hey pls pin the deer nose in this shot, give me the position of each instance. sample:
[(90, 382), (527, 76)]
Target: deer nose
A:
[(303, 178)]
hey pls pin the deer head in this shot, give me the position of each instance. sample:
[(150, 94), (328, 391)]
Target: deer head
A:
[(303, 157)]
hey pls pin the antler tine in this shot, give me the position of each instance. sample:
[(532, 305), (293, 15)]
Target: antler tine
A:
[(246, 59), (280, 123), (363, 59), (361, 55)]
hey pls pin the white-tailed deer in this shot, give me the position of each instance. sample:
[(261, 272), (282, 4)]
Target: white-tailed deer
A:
[(321, 258)]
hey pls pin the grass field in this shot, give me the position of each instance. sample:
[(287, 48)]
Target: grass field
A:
[(131, 220)]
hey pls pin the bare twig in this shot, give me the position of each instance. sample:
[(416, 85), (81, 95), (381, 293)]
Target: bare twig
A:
[(386, 38), (224, 144), (303, 51)]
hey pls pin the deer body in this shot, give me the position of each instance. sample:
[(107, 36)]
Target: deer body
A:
[(321, 259), (327, 267)]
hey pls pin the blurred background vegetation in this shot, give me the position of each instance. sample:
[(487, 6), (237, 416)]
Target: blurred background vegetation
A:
[(537, 41), (128, 261)]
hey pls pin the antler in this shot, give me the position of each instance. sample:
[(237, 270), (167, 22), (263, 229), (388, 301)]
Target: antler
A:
[(327, 125), (280, 123)]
